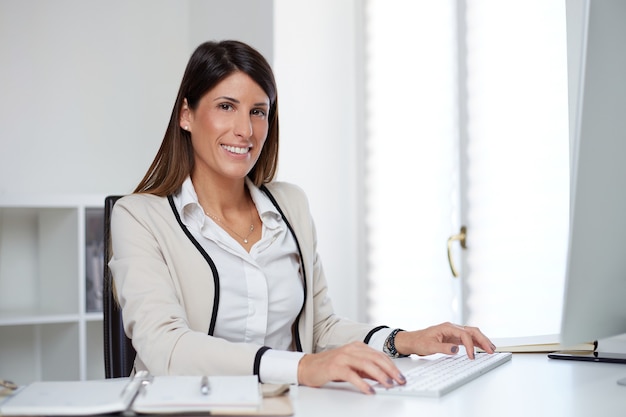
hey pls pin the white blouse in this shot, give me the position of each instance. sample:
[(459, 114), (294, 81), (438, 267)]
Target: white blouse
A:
[(261, 291)]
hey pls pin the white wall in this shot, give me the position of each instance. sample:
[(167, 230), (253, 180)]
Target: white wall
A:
[(317, 51), (87, 86), (86, 90), (250, 21)]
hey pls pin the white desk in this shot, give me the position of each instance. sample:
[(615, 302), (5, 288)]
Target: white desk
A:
[(528, 385)]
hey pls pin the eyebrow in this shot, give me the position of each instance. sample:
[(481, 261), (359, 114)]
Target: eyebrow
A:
[(234, 100)]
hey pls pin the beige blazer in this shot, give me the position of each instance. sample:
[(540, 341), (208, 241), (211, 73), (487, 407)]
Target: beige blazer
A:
[(167, 290)]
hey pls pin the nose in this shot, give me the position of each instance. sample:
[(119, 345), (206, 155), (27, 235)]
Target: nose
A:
[(243, 125)]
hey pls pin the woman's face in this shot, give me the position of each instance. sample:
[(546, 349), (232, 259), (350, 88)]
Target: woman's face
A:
[(228, 127)]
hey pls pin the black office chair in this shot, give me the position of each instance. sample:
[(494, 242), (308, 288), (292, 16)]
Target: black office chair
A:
[(119, 354)]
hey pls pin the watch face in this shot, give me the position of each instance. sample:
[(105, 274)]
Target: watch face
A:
[(386, 347), (389, 347)]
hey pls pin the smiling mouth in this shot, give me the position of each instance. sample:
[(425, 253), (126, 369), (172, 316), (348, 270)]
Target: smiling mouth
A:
[(237, 150)]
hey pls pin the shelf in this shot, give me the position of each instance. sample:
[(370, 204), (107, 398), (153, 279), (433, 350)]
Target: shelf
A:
[(95, 316), (95, 350), (26, 318), (51, 200), (40, 352), (50, 324), (39, 260)]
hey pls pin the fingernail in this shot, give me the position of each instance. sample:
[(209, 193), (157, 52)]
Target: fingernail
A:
[(493, 347), (389, 381), (372, 390), (402, 378), (454, 349)]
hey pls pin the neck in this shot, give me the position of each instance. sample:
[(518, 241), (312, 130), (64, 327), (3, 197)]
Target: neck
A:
[(222, 196), (231, 207)]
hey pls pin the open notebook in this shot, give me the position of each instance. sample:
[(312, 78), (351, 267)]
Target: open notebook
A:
[(142, 394)]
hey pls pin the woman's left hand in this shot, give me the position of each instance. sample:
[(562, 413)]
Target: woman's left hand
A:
[(443, 338)]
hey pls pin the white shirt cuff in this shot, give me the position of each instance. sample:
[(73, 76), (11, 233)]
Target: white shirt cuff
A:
[(377, 340), (280, 367)]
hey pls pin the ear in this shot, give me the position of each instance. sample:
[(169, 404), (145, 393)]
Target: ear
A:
[(185, 117)]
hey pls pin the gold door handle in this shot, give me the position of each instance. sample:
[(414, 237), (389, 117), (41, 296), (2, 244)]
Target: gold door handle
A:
[(461, 236)]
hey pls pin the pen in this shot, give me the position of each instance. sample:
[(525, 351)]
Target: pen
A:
[(204, 385)]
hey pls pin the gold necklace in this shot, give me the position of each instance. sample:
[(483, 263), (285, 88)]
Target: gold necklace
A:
[(221, 222)]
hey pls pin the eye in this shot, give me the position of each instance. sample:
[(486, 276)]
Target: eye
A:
[(259, 112), (225, 106)]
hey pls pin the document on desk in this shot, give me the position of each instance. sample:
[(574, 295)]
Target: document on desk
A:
[(176, 394), (144, 394)]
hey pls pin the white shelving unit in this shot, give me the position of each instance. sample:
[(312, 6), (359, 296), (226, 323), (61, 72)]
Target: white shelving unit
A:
[(46, 332)]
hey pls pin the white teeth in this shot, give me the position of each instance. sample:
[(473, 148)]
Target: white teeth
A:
[(234, 149)]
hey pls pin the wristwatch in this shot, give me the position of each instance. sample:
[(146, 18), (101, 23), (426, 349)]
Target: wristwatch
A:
[(389, 347)]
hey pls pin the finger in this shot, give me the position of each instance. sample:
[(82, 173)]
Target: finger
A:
[(465, 338), (450, 348), (356, 361), (472, 337), (384, 373), (362, 385), (443, 338), (480, 340), (375, 365)]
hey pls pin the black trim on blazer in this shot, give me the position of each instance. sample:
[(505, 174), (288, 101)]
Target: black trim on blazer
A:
[(257, 361), (216, 277), (371, 333), (296, 328), (216, 297)]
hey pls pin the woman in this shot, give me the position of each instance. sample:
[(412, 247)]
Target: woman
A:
[(215, 264)]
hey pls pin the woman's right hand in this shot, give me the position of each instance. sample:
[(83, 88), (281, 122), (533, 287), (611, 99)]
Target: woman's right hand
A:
[(350, 363)]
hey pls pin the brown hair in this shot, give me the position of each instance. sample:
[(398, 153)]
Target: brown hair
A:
[(210, 63)]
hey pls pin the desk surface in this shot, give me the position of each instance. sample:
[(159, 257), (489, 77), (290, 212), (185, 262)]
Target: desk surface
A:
[(528, 385)]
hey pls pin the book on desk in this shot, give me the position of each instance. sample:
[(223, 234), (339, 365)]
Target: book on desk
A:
[(539, 344), (145, 394)]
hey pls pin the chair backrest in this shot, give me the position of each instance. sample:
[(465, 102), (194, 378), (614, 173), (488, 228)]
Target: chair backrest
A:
[(119, 354)]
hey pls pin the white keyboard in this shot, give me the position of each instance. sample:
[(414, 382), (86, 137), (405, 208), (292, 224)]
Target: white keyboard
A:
[(434, 378)]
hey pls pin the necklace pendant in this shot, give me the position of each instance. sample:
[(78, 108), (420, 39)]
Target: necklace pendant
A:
[(245, 241)]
